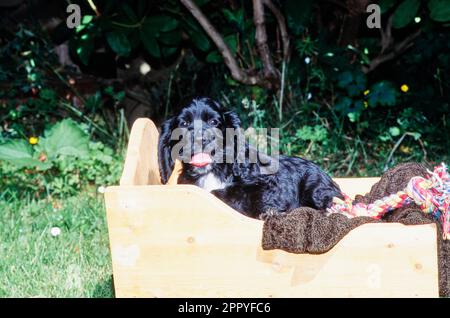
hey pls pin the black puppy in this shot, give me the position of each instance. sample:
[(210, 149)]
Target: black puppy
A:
[(251, 187)]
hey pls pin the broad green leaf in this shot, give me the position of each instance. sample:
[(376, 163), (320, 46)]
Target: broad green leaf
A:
[(65, 138), (129, 12), (84, 47), (353, 116), (385, 136), (171, 38), (197, 36), (15, 149), (160, 23), (405, 13), (232, 43), (234, 17), (344, 79), (168, 51), (200, 40), (382, 93), (229, 15), (149, 41), (214, 57), (343, 104), (439, 10), (394, 131), (353, 82), (84, 22), (31, 163), (20, 154), (385, 5), (119, 43), (87, 19)]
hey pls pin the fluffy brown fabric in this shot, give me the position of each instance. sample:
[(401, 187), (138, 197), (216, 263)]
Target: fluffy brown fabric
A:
[(304, 230)]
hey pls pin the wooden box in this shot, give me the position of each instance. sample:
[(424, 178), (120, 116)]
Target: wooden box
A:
[(181, 241)]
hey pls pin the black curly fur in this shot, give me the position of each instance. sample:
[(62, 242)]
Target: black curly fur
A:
[(296, 183)]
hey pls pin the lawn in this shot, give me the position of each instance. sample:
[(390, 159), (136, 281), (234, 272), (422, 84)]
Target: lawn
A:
[(37, 262)]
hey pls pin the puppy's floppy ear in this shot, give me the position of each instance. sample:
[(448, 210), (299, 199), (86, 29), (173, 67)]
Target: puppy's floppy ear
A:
[(231, 120), (166, 162)]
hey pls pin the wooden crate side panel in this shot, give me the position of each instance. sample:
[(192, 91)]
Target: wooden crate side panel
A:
[(180, 241)]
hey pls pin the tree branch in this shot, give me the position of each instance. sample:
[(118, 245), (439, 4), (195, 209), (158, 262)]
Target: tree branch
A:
[(386, 35), (397, 49), (282, 25), (236, 72), (270, 72)]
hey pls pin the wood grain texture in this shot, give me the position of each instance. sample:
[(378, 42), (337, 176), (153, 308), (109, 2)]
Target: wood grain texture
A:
[(181, 241), (141, 161)]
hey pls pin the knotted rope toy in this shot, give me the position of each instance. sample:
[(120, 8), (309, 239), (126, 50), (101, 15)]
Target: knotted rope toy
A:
[(431, 194)]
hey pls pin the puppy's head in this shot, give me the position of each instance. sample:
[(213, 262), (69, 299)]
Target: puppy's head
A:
[(196, 136)]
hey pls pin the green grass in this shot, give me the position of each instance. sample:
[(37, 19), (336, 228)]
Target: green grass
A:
[(34, 263)]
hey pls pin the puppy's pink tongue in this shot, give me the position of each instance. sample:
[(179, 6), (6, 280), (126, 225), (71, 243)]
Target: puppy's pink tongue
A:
[(200, 159)]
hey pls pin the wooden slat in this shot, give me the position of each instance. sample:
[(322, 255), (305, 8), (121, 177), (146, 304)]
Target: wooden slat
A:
[(180, 241), (354, 186), (141, 162)]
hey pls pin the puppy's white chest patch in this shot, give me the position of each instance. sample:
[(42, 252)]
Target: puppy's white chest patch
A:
[(210, 182)]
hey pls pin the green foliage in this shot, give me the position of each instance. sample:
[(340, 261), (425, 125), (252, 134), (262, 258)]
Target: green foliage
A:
[(63, 162), (405, 13), (439, 10), (353, 82), (159, 28), (385, 5), (35, 91), (119, 43), (328, 91), (316, 133), (84, 39), (348, 121), (20, 154), (156, 27), (65, 138), (382, 94)]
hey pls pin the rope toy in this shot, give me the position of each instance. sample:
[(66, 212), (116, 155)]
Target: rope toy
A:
[(431, 194)]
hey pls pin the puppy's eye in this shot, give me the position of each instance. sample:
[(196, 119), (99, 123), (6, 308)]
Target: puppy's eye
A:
[(213, 122), (184, 123)]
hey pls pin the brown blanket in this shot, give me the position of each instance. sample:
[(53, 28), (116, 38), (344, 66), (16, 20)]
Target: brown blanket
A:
[(305, 230)]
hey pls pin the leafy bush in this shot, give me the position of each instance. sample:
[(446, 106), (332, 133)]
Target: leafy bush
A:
[(61, 162), (35, 90), (348, 95)]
